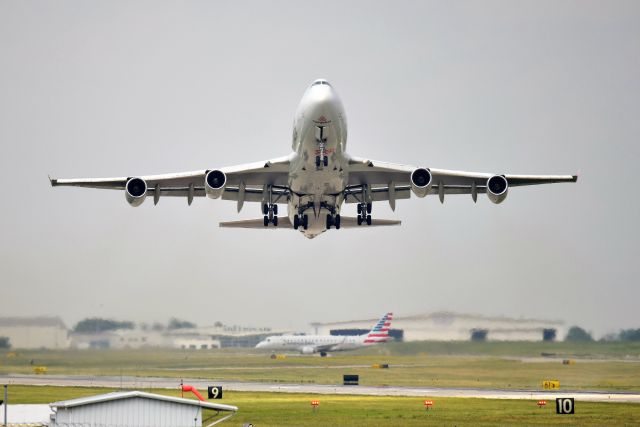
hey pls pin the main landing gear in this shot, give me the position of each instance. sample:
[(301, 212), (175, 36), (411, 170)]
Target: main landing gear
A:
[(364, 213), (270, 212), (300, 221)]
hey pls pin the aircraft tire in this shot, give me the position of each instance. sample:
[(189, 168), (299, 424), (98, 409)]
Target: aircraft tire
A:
[(369, 207), (368, 219), (359, 220), (275, 209), (296, 222), (266, 221), (337, 222), (305, 221), (275, 221)]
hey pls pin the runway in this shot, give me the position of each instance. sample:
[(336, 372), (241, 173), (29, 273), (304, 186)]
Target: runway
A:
[(142, 383)]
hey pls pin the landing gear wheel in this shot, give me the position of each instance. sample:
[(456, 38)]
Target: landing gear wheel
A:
[(359, 220), (329, 221), (305, 221), (368, 219), (296, 222), (336, 221), (275, 209), (265, 209), (359, 208), (325, 161), (266, 221), (323, 354), (369, 207), (317, 161)]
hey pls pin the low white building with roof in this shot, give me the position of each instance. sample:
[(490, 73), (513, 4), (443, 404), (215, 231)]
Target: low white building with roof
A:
[(134, 409), (35, 332)]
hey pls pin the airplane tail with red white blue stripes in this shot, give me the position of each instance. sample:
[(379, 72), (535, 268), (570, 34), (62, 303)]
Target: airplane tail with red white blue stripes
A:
[(380, 332)]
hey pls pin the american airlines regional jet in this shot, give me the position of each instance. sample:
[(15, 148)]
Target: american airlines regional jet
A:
[(316, 178), (309, 344)]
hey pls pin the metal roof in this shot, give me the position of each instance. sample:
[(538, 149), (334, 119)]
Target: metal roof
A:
[(119, 395)]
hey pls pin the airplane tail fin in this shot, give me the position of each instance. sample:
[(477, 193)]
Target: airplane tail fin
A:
[(380, 332)]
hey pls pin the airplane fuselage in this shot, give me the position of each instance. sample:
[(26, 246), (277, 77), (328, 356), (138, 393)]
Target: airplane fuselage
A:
[(310, 343), (318, 171)]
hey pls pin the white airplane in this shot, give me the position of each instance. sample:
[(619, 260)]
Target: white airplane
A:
[(316, 178), (309, 344)]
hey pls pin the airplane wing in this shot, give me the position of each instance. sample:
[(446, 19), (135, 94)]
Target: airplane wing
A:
[(244, 182), (371, 181)]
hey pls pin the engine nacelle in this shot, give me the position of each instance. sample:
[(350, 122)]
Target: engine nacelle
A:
[(135, 191), (307, 350), (421, 181), (497, 187), (214, 183)]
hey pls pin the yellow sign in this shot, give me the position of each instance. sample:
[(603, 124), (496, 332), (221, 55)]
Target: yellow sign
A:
[(40, 369), (551, 385)]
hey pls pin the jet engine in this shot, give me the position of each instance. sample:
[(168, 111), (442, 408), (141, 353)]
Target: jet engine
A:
[(497, 187), (307, 350), (135, 191), (421, 182), (214, 183)]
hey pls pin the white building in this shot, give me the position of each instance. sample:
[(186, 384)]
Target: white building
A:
[(133, 409), (446, 326), (35, 332)]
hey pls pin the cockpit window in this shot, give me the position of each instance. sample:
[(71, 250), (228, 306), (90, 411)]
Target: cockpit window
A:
[(321, 82)]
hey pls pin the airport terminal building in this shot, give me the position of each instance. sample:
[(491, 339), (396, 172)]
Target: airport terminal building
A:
[(448, 326)]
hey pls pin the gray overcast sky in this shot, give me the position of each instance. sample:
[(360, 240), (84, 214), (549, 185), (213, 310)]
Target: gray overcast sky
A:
[(118, 88)]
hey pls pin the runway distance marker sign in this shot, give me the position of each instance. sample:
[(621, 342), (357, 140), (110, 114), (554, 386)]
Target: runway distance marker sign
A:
[(214, 392), (565, 405)]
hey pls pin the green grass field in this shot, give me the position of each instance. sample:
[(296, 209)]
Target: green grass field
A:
[(598, 366), (283, 409)]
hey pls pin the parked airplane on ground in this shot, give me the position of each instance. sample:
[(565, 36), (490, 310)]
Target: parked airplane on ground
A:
[(316, 178), (309, 344)]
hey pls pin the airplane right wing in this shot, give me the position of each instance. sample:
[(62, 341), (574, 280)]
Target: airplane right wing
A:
[(371, 181)]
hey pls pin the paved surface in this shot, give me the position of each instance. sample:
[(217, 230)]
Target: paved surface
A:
[(155, 382)]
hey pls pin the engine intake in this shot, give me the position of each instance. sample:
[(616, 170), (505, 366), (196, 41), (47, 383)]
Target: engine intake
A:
[(135, 191), (307, 350), (421, 181), (497, 187), (214, 183)]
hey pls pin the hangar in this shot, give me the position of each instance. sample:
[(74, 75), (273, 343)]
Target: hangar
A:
[(35, 332), (448, 326)]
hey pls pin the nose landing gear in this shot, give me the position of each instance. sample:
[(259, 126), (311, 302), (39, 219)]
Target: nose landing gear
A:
[(333, 220), (300, 221)]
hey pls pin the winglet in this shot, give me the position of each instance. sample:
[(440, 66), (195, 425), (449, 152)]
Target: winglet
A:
[(52, 181), (574, 178)]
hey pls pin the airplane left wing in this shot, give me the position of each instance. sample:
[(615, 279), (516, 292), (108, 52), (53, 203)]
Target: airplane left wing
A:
[(371, 181), (243, 183)]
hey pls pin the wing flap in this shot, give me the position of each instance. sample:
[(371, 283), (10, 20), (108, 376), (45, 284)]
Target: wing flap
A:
[(283, 222), (352, 222)]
